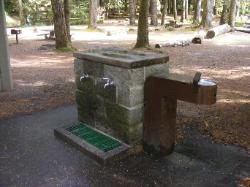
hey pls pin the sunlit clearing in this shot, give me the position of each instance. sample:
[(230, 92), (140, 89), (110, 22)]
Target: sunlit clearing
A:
[(35, 84), (233, 101)]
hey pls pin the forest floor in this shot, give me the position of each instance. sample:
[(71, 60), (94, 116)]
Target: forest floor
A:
[(43, 78)]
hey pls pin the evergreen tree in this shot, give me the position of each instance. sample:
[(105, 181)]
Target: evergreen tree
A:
[(142, 35), (60, 24)]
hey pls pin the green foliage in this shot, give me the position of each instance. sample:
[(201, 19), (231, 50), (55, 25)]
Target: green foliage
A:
[(245, 7), (39, 12), (115, 4), (239, 24), (219, 5), (79, 12), (11, 7), (170, 28)]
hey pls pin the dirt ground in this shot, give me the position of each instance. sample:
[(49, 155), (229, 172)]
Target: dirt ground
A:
[(43, 78)]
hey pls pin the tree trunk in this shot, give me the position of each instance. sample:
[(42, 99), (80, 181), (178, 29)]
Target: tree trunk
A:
[(197, 12), (237, 10), (198, 39), (6, 83), (67, 16), (132, 11), (20, 9), (218, 30), (174, 10), (142, 35), (186, 9), (60, 25), (183, 11), (92, 14), (224, 15), (170, 6), (207, 15), (232, 12), (125, 6), (164, 11), (153, 12)]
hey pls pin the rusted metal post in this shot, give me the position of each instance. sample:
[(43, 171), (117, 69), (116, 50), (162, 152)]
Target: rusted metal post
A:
[(16, 32), (16, 38)]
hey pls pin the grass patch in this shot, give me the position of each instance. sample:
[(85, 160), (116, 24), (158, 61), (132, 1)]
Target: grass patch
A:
[(169, 28), (239, 24), (93, 30), (67, 49), (192, 28)]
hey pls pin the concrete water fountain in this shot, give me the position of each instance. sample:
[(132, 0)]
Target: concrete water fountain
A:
[(130, 96)]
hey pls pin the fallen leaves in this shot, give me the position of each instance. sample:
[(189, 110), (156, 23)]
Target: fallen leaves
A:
[(245, 182)]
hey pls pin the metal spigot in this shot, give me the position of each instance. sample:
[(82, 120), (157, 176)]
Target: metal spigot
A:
[(108, 82), (84, 76)]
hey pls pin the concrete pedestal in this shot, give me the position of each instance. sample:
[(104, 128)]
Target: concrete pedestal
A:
[(110, 89)]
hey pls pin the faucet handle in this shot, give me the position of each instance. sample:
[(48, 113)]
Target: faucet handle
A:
[(84, 77), (196, 78)]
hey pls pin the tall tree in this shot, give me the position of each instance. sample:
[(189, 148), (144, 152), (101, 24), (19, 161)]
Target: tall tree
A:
[(125, 6), (207, 15), (20, 9), (183, 11), (92, 14), (60, 26), (67, 16), (170, 4), (164, 11), (174, 10), (132, 11), (142, 35), (224, 14), (232, 13), (153, 12), (5, 75), (186, 9), (197, 12)]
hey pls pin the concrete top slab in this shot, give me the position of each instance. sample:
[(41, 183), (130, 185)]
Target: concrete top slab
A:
[(123, 58)]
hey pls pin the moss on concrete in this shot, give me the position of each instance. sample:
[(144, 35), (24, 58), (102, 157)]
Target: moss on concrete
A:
[(85, 84)]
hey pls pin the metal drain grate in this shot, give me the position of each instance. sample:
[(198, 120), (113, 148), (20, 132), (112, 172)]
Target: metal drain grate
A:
[(93, 137)]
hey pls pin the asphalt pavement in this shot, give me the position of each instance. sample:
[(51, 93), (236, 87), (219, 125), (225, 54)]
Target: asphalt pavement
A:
[(30, 155)]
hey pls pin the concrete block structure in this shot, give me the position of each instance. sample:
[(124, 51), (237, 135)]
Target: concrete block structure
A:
[(110, 89)]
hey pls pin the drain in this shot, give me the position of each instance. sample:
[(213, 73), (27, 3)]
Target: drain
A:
[(99, 146), (94, 137)]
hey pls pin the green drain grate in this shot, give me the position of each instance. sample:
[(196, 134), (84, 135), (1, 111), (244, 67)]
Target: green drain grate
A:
[(93, 137)]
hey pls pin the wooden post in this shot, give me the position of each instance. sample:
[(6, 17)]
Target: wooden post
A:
[(5, 73), (160, 102)]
